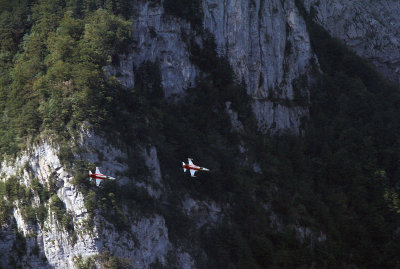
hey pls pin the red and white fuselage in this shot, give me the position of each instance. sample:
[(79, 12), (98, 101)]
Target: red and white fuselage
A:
[(192, 168), (99, 176)]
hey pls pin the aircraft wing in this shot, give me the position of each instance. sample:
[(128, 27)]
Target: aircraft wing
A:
[(190, 161), (98, 181), (192, 172), (97, 171)]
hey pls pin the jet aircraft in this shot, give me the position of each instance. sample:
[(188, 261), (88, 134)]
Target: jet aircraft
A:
[(192, 168), (99, 176)]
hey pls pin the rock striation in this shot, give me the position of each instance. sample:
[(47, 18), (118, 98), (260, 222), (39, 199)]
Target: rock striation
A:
[(370, 28), (268, 47), (145, 243), (266, 43)]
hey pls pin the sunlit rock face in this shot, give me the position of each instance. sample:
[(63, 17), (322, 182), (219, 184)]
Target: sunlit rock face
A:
[(266, 43), (157, 39), (370, 28), (268, 46), (52, 246)]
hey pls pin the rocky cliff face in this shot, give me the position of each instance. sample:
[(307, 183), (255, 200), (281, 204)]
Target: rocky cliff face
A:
[(157, 39), (370, 28), (144, 243), (267, 45)]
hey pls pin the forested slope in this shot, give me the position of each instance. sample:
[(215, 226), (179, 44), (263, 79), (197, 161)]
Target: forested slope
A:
[(325, 198)]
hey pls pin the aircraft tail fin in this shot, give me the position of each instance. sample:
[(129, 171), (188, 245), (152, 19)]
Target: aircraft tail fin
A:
[(184, 169)]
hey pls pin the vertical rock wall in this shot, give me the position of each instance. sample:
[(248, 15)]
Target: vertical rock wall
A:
[(268, 46), (145, 243), (370, 28), (266, 43)]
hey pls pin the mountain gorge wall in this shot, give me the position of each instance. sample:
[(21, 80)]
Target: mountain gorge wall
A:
[(370, 28), (268, 48), (52, 245), (267, 45)]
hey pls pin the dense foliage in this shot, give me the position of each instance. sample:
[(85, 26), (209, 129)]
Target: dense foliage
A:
[(334, 181), (13, 192), (339, 181), (52, 63)]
